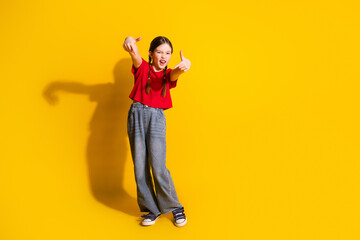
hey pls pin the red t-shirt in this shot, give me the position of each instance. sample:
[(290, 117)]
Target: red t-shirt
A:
[(154, 98)]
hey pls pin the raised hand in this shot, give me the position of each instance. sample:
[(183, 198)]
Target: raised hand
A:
[(184, 65), (130, 44)]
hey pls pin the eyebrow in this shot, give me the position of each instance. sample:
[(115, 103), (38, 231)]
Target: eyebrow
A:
[(165, 51)]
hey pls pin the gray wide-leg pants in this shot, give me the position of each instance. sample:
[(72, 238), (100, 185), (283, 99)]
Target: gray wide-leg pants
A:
[(147, 136)]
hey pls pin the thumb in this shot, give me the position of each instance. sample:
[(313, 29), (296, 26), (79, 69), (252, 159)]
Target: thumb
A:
[(138, 39), (181, 55)]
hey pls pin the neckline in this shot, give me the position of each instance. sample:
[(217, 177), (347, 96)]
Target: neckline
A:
[(152, 67)]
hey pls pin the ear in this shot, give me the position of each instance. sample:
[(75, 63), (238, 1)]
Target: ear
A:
[(150, 54)]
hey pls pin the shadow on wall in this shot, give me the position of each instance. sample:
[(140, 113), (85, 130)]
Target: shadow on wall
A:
[(107, 146)]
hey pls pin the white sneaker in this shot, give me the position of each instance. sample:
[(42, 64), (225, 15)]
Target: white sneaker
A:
[(179, 217), (149, 219)]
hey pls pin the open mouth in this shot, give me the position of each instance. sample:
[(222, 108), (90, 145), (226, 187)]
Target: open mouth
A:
[(162, 62)]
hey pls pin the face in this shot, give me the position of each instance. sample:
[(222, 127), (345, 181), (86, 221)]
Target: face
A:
[(161, 56)]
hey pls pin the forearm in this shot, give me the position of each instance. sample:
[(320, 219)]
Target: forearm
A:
[(136, 59), (175, 74)]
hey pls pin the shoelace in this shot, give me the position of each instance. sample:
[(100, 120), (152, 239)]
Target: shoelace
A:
[(179, 213), (150, 216)]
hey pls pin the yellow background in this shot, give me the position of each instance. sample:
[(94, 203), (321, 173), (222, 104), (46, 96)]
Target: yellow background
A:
[(263, 138)]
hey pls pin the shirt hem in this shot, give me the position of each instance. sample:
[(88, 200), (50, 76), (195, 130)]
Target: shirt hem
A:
[(150, 105)]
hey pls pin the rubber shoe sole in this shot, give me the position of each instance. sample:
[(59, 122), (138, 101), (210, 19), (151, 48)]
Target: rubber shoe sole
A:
[(180, 224), (147, 222)]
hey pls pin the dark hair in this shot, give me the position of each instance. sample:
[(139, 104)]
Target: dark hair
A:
[(154, 44)]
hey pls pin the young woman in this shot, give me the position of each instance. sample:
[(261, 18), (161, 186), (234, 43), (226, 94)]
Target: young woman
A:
[(147, 128)]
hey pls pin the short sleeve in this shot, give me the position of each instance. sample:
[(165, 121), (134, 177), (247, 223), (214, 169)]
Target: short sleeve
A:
[(136, 72), (172, 84)]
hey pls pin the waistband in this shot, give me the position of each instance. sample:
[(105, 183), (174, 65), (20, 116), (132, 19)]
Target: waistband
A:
[(141, 105)]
